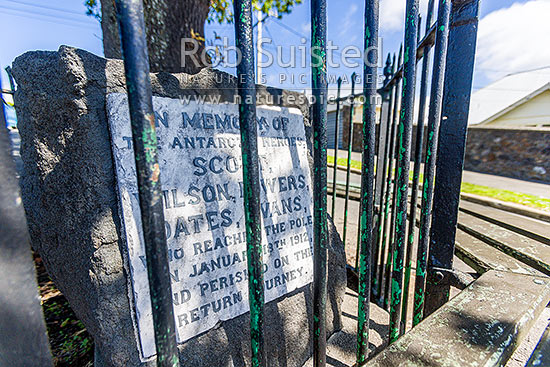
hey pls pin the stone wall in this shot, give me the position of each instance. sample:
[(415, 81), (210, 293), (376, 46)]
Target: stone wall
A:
[(518, 153)]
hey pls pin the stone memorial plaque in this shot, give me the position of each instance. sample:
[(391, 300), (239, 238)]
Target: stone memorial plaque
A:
[(201, 177)]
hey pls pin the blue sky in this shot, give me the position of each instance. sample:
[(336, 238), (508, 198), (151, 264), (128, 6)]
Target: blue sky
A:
[(513, 34)]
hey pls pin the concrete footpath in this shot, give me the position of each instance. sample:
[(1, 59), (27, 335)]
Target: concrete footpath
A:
[(497, 182)]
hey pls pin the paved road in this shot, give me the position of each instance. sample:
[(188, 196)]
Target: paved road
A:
[(505, 183), (497, 182)]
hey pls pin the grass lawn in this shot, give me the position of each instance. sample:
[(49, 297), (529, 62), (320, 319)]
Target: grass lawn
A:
[(503, 195), (506, 195), (343, 162)]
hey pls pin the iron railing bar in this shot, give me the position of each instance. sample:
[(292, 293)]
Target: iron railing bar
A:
[(358, 242), (367, 179), (320, 228), (419, 25), (392, 216), (386, 265), (140, 100), (350, 146), (416, 171), (336, 146), (379, 254), (404, 155), (434, 116), (10, 79), (391, 233), (347, 98), (427, 41), (452, 143), (251, 176), (382, 140)]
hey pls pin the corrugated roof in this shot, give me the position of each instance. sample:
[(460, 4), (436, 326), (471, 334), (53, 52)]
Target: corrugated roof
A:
[(503, 93)]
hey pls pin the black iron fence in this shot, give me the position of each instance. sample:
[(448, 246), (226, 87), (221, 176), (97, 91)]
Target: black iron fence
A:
[(386, 246), (452, 37)]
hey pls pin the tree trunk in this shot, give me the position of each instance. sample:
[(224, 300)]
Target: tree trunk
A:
[(167, 23)]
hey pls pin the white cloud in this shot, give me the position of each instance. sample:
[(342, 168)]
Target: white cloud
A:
[(514, 39), (306, 27), (349, 24), (392, 14)]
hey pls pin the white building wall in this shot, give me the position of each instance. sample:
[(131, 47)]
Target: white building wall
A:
[(533, 113)]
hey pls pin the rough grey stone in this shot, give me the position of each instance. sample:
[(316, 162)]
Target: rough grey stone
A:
[(68, 189), (522, 153)]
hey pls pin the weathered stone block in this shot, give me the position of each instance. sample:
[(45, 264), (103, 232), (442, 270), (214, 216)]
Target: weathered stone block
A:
[(68, 188)]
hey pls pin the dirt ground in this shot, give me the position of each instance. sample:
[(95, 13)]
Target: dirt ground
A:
[(70, 343)]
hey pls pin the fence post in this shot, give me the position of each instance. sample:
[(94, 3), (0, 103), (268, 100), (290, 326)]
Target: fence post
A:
[(370, 77), (320, 228), (10, 79), (379, 187), (23, 338), (417, 162), (434, 117), (251, 176), (403, 159), (384, 275), (336, 141), (350, 150), (144, 138), (452, 143), (383, 171)]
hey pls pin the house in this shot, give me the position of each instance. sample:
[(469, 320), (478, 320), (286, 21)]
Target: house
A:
[(517, 100), (343, 125)]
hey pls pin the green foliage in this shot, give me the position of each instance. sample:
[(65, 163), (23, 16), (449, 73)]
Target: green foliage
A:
[(93, 9), (343, 162), (70, 343), (220, 10)]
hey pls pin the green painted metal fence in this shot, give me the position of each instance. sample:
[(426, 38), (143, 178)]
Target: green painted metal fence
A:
[(385, 244)]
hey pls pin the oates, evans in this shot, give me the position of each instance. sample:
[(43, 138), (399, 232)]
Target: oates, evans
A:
[(213, 220)]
